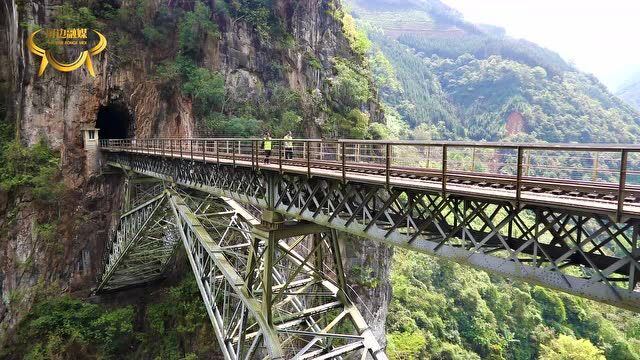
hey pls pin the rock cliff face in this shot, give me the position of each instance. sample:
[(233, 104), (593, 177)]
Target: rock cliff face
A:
[(368, 267), (58, 105)]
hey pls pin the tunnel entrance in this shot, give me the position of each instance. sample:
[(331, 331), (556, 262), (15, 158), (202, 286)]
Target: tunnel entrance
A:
[(115, 122)]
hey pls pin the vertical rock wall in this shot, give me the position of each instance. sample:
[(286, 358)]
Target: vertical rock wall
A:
[(368, 268), (58, 105), (55, 107)]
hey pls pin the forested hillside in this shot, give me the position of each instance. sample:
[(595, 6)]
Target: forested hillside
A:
[(442, 78), (466, 81), (442, 310)]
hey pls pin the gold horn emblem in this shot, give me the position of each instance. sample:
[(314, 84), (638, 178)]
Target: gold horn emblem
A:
[(83, 59)]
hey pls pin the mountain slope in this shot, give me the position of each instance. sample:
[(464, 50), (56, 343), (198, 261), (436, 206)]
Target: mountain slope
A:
[(440, 77)]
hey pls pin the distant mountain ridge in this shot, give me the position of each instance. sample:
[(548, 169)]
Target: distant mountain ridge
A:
[(630, 91), (422, 16), (464, 80)]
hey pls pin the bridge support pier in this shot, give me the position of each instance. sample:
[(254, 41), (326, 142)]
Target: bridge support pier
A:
[(303, 291)]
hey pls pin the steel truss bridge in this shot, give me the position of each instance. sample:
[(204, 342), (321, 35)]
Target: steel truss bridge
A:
[(561, 216)]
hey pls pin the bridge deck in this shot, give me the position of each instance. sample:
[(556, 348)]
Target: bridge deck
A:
[(607, 198)]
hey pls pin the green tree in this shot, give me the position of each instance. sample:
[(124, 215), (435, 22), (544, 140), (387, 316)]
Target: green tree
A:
[(65, 328), (384, 74), (193, 27), (69, 16), (405, 346), (351, 86), (357, 38), (206, 88), (569, 348), (261, 16), (35, 167), (551, 304), (355, 125), (448, 351)]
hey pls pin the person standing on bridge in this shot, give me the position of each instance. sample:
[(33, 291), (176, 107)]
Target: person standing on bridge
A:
[(266, 146), (288, 146)]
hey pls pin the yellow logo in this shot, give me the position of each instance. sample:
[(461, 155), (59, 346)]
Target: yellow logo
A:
[(67, 37)]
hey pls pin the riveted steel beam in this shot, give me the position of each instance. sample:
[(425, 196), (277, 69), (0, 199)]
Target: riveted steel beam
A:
[(228, 298)]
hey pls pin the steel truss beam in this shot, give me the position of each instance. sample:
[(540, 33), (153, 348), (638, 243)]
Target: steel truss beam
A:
[(278, 293), (217, 264), (581, 253)]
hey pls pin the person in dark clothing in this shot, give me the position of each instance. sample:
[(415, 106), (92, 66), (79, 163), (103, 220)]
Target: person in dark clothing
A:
[(288, 146)]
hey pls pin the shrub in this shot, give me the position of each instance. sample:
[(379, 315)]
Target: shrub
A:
[(193, 27), (67, 16), (357, 38), (152, 34), (206, 88), (177, 327), (378, 131), (351, 86), (63, 327), (569, 348), (407, 346), (356, 124), (260, 15), (551, 304), (313, 61), (35, 167), (242, 126), (289, 121), (365, 276)]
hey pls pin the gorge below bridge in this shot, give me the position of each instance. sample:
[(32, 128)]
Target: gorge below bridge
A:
[(261, 234)]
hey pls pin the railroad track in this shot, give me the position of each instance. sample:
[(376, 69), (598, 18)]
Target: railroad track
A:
[(380, 161)]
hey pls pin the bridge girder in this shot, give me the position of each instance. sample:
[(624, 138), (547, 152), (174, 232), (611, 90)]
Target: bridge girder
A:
[(575, 251)]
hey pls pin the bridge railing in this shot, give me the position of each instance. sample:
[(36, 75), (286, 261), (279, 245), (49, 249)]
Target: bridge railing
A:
[(609, 172)]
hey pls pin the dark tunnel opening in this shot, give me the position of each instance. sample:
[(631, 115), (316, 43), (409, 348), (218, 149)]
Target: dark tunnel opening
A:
[(115, 122)]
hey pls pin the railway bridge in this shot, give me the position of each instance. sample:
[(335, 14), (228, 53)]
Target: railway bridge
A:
[(261, 233)]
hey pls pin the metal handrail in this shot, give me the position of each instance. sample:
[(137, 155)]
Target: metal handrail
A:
[(478, 144), (388, 157)]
